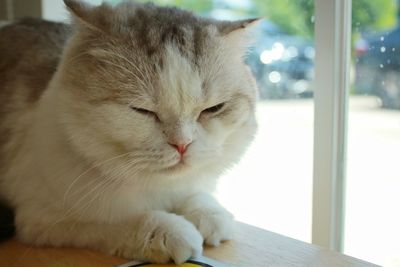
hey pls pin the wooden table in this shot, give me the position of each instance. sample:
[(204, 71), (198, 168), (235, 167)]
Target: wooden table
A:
[(252, 247)]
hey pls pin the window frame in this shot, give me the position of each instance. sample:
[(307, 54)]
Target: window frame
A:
[(332, 68)]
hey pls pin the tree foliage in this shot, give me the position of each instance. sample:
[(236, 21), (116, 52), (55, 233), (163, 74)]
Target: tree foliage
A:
[(297, 16), (293, 16), (373, 15)]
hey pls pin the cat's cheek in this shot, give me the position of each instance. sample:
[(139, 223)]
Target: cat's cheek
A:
[(212, 132), (204, 144)]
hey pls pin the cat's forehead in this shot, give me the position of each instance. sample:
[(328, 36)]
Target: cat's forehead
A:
[(147, 29), (169, 79), (179, 87), (153, 29), (165, 56)]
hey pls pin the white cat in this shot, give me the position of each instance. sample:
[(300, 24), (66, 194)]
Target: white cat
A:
[(115, 131)]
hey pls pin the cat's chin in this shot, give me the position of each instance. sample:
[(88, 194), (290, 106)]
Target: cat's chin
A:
[(181, 166), (178, 168)]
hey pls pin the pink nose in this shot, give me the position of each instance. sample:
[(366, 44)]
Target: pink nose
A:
[(181, 148)]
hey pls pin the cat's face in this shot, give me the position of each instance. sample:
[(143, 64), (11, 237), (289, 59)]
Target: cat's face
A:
[(166, 90)]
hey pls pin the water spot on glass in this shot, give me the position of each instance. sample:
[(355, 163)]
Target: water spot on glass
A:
[(383, 82), (381, 66), (382, 38), (383, 49), (393, 49), (312, 19), (389, 61)]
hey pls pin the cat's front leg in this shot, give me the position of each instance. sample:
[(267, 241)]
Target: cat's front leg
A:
[(213, 221), (154, 236)]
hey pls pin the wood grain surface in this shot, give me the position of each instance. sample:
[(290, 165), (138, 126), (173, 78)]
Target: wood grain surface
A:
[(252, 247)]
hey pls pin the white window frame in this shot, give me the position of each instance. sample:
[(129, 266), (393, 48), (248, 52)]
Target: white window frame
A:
[(332, 68)]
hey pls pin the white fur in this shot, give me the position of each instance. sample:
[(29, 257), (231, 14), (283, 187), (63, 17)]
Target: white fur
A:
[(102, 176)]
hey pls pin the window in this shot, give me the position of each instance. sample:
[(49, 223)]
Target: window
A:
[(373, 179)]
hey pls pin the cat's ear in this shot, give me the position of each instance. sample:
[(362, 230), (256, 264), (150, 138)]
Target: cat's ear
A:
[(232, 27), (92, 17), (239, 33)]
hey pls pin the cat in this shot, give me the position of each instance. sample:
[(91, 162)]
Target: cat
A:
[(115, 128)]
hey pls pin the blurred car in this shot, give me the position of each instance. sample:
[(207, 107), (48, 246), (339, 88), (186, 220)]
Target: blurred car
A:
[(378, 66), (283, 64)]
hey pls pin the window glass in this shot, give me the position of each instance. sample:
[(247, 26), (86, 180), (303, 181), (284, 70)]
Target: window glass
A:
[(373, 177)]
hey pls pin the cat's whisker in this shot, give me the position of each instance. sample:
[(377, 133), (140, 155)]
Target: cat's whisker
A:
[(65, 216), (121, 67), (71, 211), (110, 177), (109, 184), (41, 236), (81, 189), (122, 71), (146, 77), (71, 59), (88, 170), (104, 188), (112, 184)]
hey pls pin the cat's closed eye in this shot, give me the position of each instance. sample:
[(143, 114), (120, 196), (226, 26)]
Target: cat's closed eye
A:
[(145, 112), (213, 109)]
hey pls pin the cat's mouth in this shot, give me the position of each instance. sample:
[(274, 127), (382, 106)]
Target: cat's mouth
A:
[(179, 166)]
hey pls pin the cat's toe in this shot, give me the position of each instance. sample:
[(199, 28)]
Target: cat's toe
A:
[(182, 244), (161, 238), (215, 227), (174, 239)]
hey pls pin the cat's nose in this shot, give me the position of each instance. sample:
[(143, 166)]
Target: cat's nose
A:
[(180, 147)]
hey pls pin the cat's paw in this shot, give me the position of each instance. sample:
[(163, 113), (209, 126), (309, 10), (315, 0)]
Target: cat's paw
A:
[(214, 225), (213, 221), (163, 238)]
